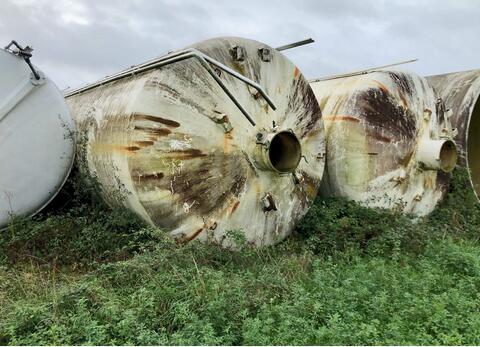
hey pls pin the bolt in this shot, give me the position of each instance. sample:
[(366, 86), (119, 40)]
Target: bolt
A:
[(426, 114), (268, 204), (297, 178), (265, 54), (238, 53)]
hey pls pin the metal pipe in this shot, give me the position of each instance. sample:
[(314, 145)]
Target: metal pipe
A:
[(361, 72), (295, 44)]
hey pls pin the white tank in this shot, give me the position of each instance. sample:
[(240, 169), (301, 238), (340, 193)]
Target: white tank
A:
[(36, 142)]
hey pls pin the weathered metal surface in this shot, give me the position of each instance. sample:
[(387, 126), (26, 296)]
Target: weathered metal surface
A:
[(36, 149), (386, 144), (460, 92), (172, 143)]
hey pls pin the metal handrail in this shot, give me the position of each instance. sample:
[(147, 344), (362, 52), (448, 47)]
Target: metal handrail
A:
[(179, 56)]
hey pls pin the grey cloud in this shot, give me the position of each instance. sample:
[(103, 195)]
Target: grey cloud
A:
[(79, 41)]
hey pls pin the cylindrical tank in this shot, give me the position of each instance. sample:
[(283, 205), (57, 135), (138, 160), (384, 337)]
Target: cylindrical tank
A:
[(225, 135), (387, 144), (460, 92), (36, 138)]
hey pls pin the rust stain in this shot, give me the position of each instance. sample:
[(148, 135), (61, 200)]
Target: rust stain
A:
[(227, 138), (380, 137), (190, 237), (404, 100), (167, 122), (234, 207), (296, 72), (186, 154), (144, 143), (382, 87), (154, 131), (132, 148), (339, 117)]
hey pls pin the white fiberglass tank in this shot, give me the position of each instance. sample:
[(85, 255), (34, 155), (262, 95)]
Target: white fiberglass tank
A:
[(36, 142)]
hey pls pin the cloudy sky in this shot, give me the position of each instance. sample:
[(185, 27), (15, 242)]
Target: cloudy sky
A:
[(80, 41)]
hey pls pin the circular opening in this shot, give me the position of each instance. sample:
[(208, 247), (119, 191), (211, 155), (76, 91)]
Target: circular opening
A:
[(285, 152), (448, 156)]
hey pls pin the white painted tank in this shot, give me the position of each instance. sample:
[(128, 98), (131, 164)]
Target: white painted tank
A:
[(36, 143)]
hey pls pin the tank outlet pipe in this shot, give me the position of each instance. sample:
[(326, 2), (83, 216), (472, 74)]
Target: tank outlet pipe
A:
[(437, 155), (277, 151)]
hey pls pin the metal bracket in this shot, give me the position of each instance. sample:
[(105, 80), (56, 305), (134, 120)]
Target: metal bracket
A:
[(204, 60), (268, 203), (238, 53), (265, 54), (25, 53), (222, 119)]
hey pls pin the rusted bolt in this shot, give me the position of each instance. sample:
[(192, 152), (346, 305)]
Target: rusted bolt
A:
[(259, 137), (297, 178), (265, 54), (223, 120), (398, 179), (238, 53), (268, 204), (418, 197), (274, 126), (426, 114)]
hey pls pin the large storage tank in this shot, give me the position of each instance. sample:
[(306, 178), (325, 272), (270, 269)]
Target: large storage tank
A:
[(460, 91), (36, 137), (224, 135), (388, 142)]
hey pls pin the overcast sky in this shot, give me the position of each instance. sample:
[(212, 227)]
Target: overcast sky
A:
[(80, 41)]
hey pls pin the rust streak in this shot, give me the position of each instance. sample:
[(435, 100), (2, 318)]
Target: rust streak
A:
[(132, 148), (187, 154), (144, 143), (227, 138), (339, 117), (380, 138), (193, 236), (158, 132), (234, 207), (382, 87), (296, 72), (167, 122)]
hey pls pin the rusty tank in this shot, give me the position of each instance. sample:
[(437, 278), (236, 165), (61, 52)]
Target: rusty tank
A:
[(460, 92), (223, 135), (389, 144)]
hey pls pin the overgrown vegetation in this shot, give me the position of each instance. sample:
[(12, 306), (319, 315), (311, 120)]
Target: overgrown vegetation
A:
[(82, 273)]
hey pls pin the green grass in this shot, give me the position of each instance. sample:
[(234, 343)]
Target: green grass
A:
[(84, 274)]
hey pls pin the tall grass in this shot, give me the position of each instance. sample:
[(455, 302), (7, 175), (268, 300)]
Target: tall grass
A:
[(83, 273)]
